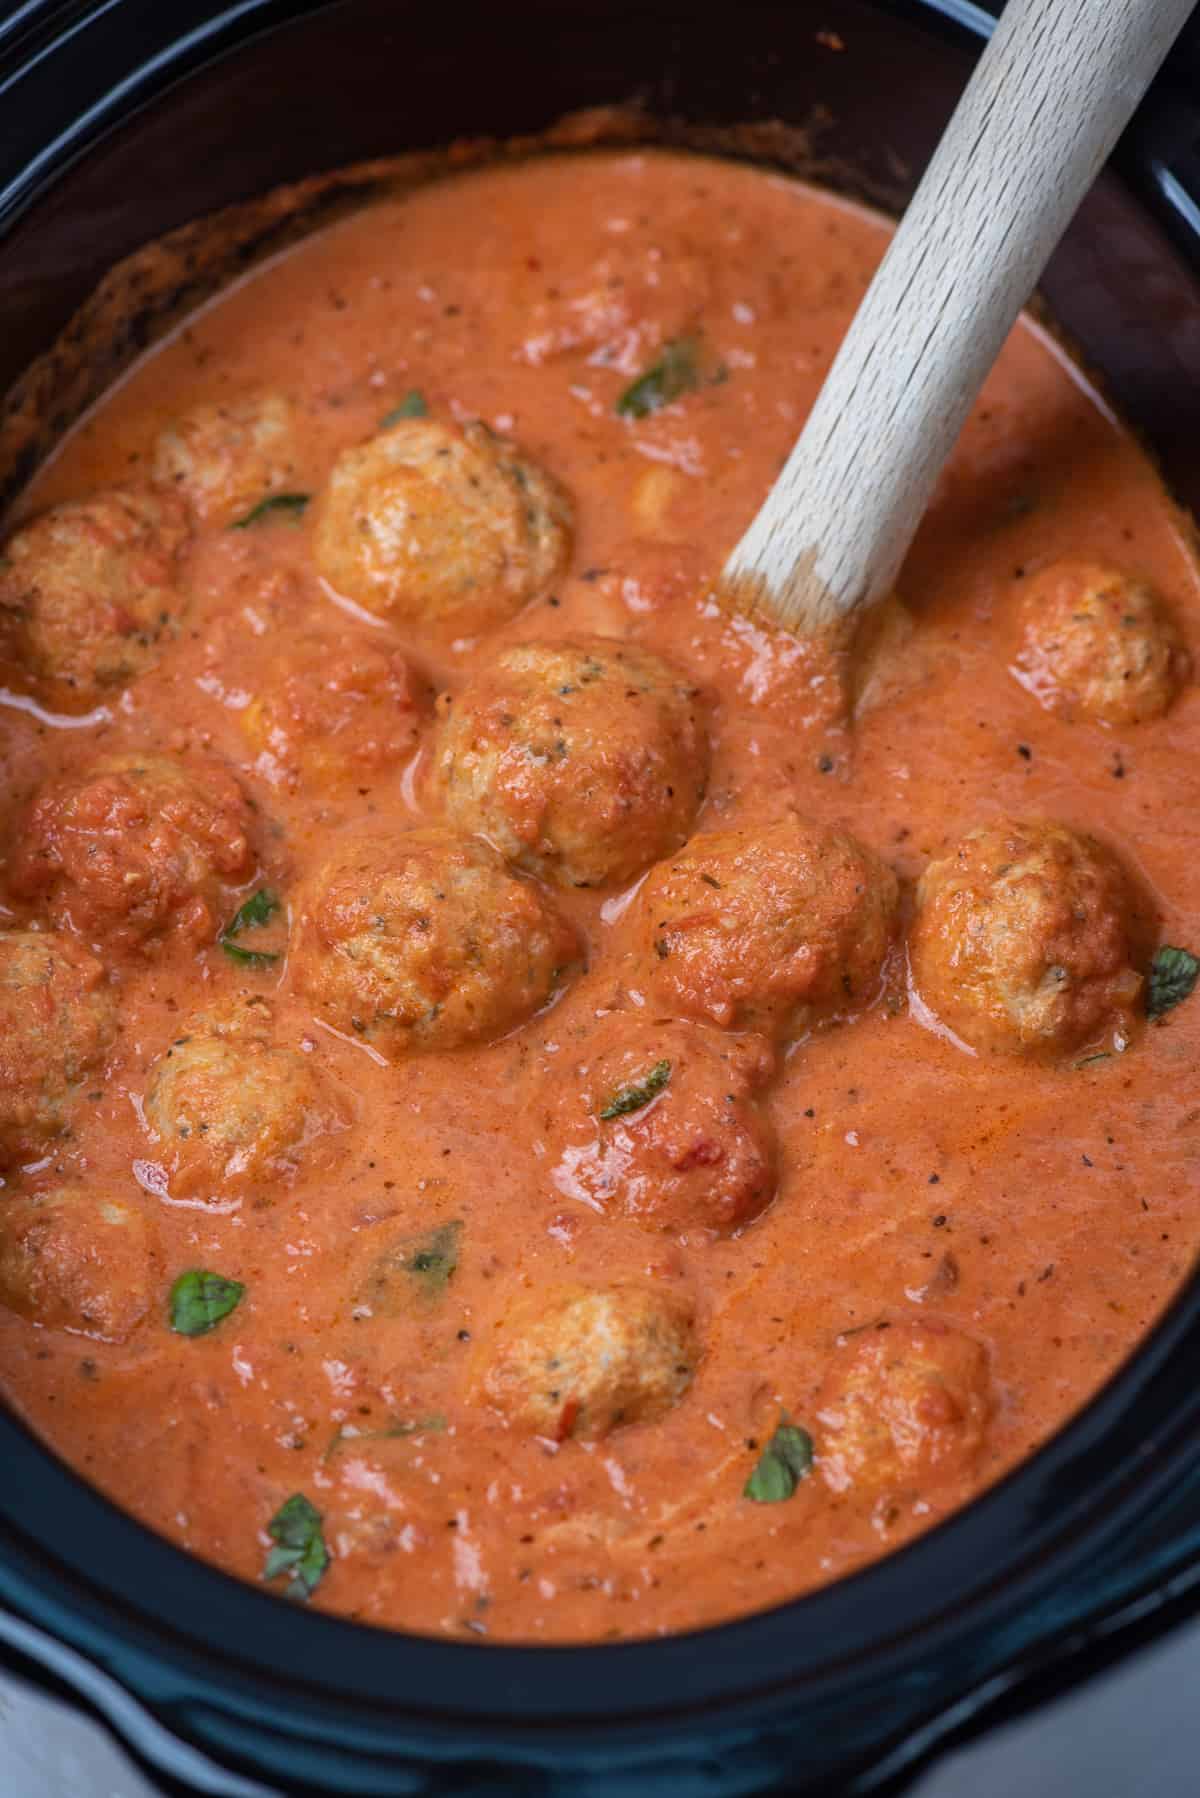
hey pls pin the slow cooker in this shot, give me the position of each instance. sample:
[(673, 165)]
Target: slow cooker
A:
[(123, 121)]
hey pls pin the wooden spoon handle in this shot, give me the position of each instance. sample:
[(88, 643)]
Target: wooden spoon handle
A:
[(1048, 100)]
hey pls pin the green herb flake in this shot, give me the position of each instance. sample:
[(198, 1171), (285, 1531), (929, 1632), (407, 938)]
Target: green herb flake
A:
[(258, 910), (786, 1460), (1173, 974), (434, 1259), (291, 506), (416, 1270), (413, 405), (199, 1300), (397, 1429), (676, 372), (639, 1093), (299, 1548), (1088, 1061)]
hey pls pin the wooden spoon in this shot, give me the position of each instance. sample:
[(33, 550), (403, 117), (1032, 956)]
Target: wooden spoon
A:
[(1047, 102)]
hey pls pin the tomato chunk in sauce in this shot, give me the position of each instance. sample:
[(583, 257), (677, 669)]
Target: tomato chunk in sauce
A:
[(529, 1112)]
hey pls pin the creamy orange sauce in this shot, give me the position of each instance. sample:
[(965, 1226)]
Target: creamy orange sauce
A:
[(1048, 1211)]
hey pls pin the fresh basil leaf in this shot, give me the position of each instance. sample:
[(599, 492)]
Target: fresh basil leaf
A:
[(1173, 974), (676, 372), (299, 1548), (416, 1270), (413, 405), (786, 1460), (287, 505), (639, 1093), (199, 1299), (257, 910)]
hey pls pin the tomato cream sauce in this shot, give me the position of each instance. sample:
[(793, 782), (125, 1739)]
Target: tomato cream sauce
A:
[(1046, 1208)]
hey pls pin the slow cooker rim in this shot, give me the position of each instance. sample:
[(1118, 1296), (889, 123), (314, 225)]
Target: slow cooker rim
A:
[(52, 1582)]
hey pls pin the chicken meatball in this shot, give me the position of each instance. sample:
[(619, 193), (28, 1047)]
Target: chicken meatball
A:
[(767, 929), (136, 849), (88, 590), (335, 709), (57, 1020), (425, 940), (224, 460), (1095, 643), (904, 1408), (1022, 940), (581, 1361), (431, 524), (72, 1260), (230, 1105), (658, 1122), (582, 761)]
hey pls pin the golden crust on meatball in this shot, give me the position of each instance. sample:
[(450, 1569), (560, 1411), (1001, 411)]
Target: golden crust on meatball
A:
[(1022, 940), (1097, 643), (137, 848), (583, 1361), (335, 709), (904, 1409), (658, 1121), (75, 1260), (57, 1020), (223, 460), (88, 590), (426, 940), (431, 523), (582, 760), (766, 928), (229, 1104)]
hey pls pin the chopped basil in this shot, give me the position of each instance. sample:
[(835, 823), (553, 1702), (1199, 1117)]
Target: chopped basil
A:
[(639, 1093), (786, 1460), (411, 406), (288, 505), (1088, 1060), (200, 1299), (676, 372), (1173, 974), (258, 910), (299, 1548), (418, 1270), (433, 1425)]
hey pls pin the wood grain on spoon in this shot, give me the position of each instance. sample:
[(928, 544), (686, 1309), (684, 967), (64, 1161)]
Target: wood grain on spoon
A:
[(1051, 95)]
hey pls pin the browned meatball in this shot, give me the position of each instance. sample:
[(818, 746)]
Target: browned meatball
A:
[(430, 523), (57, 1019), (88, 590), (230, 1105), (766, 928), (223, 460), (658, 1121), (1022, 939), (337, 708), (76, 1260), (581, 1361), (1097, 643), (425, 940), (904, 1408), (137, 848), (582, 760)]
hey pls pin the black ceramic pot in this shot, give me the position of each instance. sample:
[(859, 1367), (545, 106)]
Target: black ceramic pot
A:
[(123, 119)]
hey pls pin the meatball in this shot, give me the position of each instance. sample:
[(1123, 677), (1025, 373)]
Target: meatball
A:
[(425, 940), (230, 1105), (223, 460), (431, 524), (904, 1408), (658, 1122), (767, 929), (57, 1019), (335, 709), (581, 1361), (1022, 940), (88, 590), (70, 1260), (136, 848), (582, 760), (1096, 643)]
